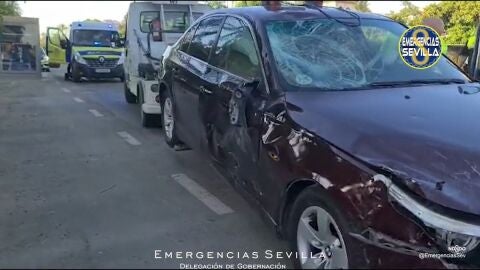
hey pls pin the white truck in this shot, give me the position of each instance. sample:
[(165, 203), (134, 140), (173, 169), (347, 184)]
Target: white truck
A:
[(144, 49)]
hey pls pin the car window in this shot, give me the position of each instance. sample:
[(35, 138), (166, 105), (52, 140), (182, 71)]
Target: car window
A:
[(185, 41), (176, 21), (205, 37), (235, 51), (196, 15), (145, 18)]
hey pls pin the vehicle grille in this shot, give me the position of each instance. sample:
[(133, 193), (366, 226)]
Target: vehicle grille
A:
[(108, 63)]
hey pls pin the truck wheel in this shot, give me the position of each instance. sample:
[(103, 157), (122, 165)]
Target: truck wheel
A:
[(168, 121), (147, 119), (319, 231), (129, 97), (76, 77)]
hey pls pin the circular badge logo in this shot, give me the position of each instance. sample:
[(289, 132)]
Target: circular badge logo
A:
[(420, 47), (101, 59)]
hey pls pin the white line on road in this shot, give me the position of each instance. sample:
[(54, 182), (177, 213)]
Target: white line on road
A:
[(202, 194), (66, 90), (95, 113), (79, 100), (128, 138)]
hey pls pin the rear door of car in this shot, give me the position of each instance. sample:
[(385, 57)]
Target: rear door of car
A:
[(188, 81)]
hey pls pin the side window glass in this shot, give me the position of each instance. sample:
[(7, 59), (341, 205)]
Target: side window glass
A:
[(235, 51), (205, 37), (183, 44), (145, 18)]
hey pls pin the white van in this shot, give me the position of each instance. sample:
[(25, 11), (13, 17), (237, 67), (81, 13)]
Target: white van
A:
[(143, 55)]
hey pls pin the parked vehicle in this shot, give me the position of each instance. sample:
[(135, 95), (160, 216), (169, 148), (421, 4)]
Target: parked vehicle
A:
[(44, 61), (93, 50), (358, 159), (143, 52)]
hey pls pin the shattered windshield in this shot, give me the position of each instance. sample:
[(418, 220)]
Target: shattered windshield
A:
[(102, 38), (327, 54)]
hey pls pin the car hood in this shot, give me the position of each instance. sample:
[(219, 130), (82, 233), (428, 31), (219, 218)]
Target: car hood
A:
[(431, 134)]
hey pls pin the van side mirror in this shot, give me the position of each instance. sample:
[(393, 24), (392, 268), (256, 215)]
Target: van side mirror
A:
[(156, 30), (63, 43)]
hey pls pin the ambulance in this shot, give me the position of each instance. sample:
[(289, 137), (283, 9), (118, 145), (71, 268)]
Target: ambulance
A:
[(92, 50)]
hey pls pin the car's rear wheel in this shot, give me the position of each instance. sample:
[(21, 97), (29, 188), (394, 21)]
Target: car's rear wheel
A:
[(129, 97), (319, 232), (168, 121)]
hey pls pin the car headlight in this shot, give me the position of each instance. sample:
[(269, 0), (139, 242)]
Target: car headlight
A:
[(454, 233), (121, 59), (79, 59)]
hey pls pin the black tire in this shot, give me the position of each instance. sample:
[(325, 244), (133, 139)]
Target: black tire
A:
[(147, 120), (317, 196), (129, 97), (76, 77), (173, 139)]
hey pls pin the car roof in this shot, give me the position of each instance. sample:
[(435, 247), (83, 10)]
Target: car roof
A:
[(257, 14)]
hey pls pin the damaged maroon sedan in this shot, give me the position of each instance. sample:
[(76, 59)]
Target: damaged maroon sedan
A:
[(357, 159)]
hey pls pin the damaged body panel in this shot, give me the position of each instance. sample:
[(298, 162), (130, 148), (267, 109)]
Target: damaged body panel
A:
[(401, 163)]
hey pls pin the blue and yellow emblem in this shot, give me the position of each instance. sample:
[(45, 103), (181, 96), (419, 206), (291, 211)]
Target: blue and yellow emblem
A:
[(420, 47)]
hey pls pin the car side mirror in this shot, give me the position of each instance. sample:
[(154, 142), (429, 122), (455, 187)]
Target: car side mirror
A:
[(238, 102), (63, 43), (156, 30)]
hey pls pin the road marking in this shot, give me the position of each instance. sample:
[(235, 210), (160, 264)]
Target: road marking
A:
[(202, 194), (66, 90), (57, 82), (95, 113), (128, 138), (79, 100)]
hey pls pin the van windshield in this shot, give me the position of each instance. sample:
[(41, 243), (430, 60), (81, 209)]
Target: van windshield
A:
[(324, 54), (98, 38)]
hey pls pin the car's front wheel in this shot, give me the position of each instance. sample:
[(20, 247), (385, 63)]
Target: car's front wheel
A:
[(319, 232), (168, 120)]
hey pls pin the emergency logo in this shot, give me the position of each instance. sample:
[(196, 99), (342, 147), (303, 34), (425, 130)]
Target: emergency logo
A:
[(420, 47)]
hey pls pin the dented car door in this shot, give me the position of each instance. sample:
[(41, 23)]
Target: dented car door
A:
[(231, 106)]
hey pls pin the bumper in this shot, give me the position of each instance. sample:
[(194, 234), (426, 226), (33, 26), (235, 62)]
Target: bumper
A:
[(90, 72), (151, 108)]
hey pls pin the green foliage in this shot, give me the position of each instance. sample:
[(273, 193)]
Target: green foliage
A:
[(407, 15), (216, 4), (247, 3), (122, 26), (9, 8), (460, 17), (362, 6)]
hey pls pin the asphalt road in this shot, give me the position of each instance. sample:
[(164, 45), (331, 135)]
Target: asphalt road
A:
[(82, 184)]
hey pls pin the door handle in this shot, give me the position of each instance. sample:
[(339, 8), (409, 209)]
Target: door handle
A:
[(205, 90)]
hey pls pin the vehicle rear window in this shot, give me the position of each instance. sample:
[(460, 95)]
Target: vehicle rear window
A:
[(145, 18), (205, 37), (175, 21)]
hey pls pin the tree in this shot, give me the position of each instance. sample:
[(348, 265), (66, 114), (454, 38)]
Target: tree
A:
[(216, 4), (9, 8), (123, 26), (409, 14), (460, 18), (362, 6), (247, 3), (92, 20)]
